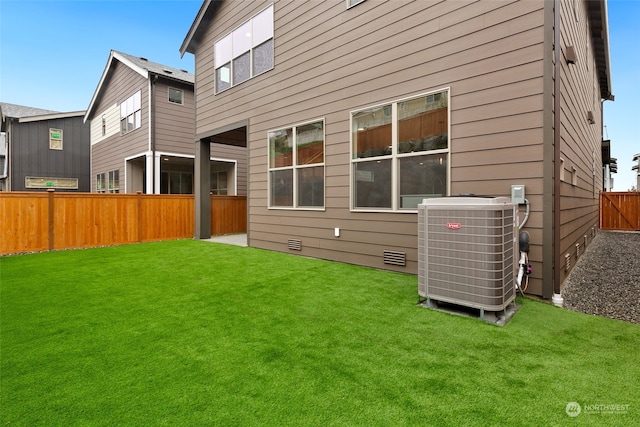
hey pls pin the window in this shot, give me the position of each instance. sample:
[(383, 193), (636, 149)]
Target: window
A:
[(100, 185), (175, 95), (176, 183), (400, 153), (246, 52), (130, 114), (296, 166), (55, 139), (114, 181), (351, 3), (219, 183)]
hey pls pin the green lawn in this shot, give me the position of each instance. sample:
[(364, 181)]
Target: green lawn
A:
[(191, 333)]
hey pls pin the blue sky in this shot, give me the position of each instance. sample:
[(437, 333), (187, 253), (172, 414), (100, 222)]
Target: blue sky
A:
[(52, 54)]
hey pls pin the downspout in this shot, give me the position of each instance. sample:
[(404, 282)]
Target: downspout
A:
[(152, 130), (557, 123)]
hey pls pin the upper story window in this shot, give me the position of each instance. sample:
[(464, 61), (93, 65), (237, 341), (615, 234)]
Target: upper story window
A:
[(176, 95), (55, 139), (400, 153), (130, 115), (351, 3), (245, 52), (296, 166)]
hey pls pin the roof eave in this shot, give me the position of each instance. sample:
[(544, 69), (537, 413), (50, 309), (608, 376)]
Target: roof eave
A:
[(599, 22), (112, 55), (205, 14)]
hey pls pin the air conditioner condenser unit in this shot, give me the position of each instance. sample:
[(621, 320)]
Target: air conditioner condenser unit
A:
[(467, 251)]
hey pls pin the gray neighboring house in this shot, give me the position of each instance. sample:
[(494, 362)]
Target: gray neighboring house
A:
[(142, 117), (42, 149)]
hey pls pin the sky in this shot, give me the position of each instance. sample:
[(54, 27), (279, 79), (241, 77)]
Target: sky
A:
[(53, 53)]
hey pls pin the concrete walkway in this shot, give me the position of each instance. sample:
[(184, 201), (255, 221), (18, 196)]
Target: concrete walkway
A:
[(229, 239)]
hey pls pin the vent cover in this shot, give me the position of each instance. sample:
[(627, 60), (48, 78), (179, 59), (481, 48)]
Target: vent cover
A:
[(467, 251), (395, 258), (295, 245)]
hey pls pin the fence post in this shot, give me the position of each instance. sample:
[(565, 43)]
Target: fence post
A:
[(51, 219)]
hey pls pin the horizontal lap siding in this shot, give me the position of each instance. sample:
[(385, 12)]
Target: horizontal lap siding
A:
[(580, 140), (330, 61), (174, 123), (109, 154)]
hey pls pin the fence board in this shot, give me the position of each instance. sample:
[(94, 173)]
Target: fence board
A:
[(620, 211), (228, 214), (34, 222)]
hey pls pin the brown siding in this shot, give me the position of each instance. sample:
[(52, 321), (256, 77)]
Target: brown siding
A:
[(174, 123), (580, 145), (330, 61), (109, 154)]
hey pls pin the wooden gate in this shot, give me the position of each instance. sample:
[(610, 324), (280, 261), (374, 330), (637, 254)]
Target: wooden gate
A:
[(620, 211)]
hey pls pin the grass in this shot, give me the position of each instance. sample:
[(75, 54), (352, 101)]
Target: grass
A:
[(192, 333)]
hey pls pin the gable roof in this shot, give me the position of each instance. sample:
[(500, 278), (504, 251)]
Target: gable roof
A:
[(19, 111), (142, 66)]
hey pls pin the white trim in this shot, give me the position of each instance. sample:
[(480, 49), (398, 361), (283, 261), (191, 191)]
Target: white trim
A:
[(112, 55), (50, 117)]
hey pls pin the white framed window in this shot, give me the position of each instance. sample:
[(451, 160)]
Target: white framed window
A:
[(296, 166), (130, 113), (176, 95), (114, 181), (246, 52), (100, 183), (55, 139), (400, 153)]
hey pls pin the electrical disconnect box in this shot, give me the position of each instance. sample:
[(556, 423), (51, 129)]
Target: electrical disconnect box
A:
[(517, 194)]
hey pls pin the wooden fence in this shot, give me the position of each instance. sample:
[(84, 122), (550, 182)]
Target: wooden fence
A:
[(620, 211), (34, 222)]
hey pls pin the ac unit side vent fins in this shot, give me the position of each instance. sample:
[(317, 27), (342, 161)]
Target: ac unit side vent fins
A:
[(295, 245), (395, 258)]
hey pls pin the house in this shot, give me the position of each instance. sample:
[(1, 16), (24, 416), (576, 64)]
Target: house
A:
[(42, 149), (356, 110), (142, 117)]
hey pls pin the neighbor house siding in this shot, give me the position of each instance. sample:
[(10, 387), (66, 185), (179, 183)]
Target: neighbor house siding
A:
[(174, 123), (32, 157), (109, 154), (330, 61), (580, 140)]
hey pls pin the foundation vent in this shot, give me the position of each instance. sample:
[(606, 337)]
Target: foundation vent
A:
[(395, 258), (295, 245)]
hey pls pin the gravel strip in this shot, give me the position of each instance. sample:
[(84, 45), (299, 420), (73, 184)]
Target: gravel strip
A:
[(606, 279)]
